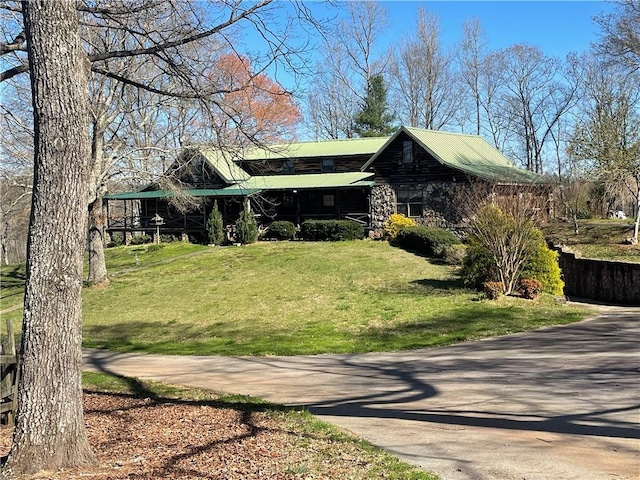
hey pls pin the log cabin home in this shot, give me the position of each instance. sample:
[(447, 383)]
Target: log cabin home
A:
[(416, 172)]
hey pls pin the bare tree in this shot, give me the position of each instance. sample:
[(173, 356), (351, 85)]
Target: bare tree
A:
[(349, 59), (16, 171), (534, 98), (171, 49), (607, 133), (621, 35), (426, 92), (471, 58), (49, 431)]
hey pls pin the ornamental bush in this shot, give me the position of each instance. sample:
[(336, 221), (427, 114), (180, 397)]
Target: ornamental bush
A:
[(490, 258), (246, 226), (215, 228), (331, 230), (429, 241), (530, 288), (281, 230), (395, 223), (141, 239), (493, 290), (543, 266)]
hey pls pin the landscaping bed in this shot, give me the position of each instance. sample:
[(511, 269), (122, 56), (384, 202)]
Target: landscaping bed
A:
[(151, 431)]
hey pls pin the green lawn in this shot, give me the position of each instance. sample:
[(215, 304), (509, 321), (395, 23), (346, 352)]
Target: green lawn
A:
[(597, 238), (288, 298)]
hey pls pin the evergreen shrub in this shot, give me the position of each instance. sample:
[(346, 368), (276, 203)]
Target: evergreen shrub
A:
[(454, 254), (429, 241), (117, 240), (246, 226), (281, 230), (331, 230), (215, 228), (141, 239), (543, 266)]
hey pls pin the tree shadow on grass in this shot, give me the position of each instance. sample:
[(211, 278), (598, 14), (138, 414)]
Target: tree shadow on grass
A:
[(12, 278)]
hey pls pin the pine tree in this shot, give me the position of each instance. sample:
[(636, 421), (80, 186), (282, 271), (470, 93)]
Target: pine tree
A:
[(215, 229), (374, 120), (246, 226)]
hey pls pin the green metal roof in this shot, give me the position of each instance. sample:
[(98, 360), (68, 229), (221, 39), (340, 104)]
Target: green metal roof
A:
[(222, 163), (233, 191), (326, 148), (310, 180), (470, 154)]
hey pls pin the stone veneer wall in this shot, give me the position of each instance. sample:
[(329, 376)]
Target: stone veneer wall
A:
[(437, 199), (608, 281), (383, 205)]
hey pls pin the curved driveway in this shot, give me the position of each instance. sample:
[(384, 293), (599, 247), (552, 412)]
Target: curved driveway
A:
[(558, 403)]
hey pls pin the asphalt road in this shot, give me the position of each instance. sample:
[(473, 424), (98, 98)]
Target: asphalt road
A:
[(554, 404)]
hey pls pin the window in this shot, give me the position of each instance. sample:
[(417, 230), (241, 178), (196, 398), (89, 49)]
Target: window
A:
[(327, 165), (328, 201), (287, 167), (409, 202), (407, 152)]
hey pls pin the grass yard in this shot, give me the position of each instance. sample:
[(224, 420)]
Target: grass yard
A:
[(602, 239), (289, 298)]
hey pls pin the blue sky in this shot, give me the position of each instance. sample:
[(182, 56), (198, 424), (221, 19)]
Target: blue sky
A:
[(557, 27)]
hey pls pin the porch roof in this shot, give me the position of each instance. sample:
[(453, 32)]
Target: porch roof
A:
[(234, 191), (255, 185), (310, 180)]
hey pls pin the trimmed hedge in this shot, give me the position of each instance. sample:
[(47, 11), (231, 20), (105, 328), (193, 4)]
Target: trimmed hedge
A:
[(429, 241), (281, 230), (331, 230)]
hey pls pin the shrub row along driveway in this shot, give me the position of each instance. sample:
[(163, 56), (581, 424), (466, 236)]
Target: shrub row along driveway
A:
[(557, 403)]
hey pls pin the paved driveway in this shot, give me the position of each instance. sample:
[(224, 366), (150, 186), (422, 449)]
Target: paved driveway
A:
[(558, 403)]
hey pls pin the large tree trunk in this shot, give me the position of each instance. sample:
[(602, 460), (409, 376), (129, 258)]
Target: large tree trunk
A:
[(97, 264), (49, 431)]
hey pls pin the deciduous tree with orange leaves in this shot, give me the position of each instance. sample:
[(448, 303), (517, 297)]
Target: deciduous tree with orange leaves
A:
[(252, 102)]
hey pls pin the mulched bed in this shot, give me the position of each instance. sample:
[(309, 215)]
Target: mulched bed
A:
[(141, 438)]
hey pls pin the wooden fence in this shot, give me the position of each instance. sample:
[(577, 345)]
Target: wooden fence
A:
[(9, 373)]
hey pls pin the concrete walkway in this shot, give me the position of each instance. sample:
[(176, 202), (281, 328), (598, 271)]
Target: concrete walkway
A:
[(555, 404)]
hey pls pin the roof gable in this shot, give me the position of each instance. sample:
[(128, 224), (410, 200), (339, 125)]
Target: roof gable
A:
[(222, 163), (470, 154)]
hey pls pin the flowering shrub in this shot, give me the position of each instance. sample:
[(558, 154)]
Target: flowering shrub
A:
[(395, 223)]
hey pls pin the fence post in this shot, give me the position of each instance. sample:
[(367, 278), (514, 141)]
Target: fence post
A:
[(9, 374)]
